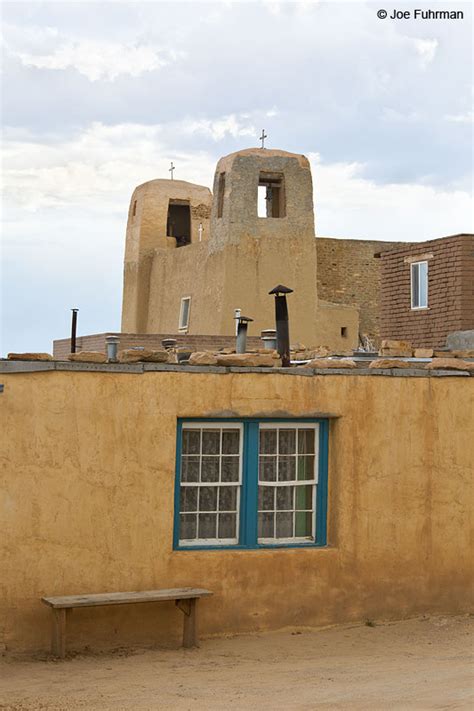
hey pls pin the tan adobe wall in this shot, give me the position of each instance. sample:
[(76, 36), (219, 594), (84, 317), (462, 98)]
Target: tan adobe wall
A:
[(88, 485), (348, 273), (450, 291)]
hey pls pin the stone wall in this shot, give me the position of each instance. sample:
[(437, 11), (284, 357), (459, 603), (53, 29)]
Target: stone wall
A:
[(88, 488), (450, 291), (151, 341), (348, 273)]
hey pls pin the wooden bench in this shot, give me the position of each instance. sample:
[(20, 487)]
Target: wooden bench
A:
[(186, 600)]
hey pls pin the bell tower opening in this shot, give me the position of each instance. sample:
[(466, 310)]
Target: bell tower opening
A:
[(271, 195), (178, 224)]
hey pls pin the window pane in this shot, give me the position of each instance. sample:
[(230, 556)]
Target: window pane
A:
[(415, 286), (230, 469), (423, 283), (284, 525), (286, 468), (207, 525), (227, 498), (266, 498), (189, 498), (304, 498), (268, 441), (306, 467), (190, 469), (287, 441), (188, 526), (211, 441), (184, 313), (227, 525), (230, 441), (284, 498), (266, 527), (208, 498), (191, 441), (306, 441), (210, 469), (268, 468), (303, 524)]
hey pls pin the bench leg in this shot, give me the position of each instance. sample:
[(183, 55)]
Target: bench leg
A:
[(190, 630), (58, 636)]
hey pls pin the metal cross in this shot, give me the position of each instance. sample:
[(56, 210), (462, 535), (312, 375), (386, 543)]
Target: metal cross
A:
[(171, 170), (200, 230), (263, 137)]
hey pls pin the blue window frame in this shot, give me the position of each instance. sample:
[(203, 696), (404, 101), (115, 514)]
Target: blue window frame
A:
[(250, 483)]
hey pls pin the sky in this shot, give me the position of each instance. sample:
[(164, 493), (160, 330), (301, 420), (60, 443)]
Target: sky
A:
[(98, 97)]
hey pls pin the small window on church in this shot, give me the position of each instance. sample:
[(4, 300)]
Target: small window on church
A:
[(134, 209), (220, 195), (271, 195), (179, 222), (184, 313)]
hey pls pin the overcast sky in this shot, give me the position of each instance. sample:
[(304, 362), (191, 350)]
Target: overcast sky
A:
[(101, 96)]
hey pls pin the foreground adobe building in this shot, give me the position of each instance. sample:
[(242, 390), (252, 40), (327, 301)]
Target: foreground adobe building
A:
[(94, 455), (192, 258)]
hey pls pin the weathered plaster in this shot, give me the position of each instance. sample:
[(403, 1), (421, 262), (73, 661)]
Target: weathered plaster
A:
[(88, 463)]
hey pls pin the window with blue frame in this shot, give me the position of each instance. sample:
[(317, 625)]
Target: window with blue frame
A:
[(251, 483)]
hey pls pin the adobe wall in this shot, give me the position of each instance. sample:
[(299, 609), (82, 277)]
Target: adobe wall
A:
[(87, 489), (450, 291), (240, 276), (348, 273)]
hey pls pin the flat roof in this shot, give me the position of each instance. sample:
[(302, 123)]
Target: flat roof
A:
[(23, 366)]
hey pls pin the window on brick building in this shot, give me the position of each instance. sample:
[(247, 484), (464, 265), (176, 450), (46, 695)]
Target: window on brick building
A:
[(251, 483), (419, 285)]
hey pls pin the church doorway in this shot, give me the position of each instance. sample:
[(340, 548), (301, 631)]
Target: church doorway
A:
[(179, 222)]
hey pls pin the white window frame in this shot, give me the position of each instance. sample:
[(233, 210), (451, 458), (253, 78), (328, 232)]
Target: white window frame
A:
[(215, 426), (184, 326), (310, 482), (418, 306)]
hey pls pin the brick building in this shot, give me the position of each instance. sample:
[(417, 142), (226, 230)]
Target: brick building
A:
[(427, 290)]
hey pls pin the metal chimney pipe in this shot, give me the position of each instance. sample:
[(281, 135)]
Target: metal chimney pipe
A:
[(282, 326), (242, 327), (73, 330), (237, 313), (112, 348), (269, 339)]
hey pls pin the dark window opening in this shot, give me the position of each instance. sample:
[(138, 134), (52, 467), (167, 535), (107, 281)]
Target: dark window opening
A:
[(220, 195), (344, 331), (271, 195), (134, 209), (179, 222)]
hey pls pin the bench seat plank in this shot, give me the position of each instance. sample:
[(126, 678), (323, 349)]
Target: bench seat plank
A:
[(122, 598)]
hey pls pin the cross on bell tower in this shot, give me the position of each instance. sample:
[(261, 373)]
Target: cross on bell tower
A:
[(263, 137), (171, 170)]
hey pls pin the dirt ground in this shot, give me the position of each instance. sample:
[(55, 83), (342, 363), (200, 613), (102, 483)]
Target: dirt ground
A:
[(423, 663)]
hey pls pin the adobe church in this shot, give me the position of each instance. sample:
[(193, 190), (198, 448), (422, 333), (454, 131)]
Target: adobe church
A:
[(193, 257)]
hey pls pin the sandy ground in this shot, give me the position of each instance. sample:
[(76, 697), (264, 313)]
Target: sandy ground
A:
[(424, 663)]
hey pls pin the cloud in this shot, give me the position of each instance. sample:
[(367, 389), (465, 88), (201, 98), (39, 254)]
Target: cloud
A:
[(96, 59), (347, 204), (426, 50), (96, 170), (467, 117), (231, 125)]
